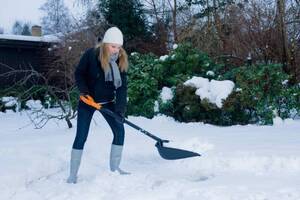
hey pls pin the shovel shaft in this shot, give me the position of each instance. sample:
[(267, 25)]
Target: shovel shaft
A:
[(123, 120), (143, 131)]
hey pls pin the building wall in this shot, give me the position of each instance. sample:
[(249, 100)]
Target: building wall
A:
[(21, 55)]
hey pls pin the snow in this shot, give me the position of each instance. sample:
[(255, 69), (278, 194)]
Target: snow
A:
[(156, 106), (9, 101), (285, 82), (44, 38), (210, 73), (277, 121), (214, 91), (238, 163), (166, 94), (34, 104), (239, 89), (163, 58), (134, 53)]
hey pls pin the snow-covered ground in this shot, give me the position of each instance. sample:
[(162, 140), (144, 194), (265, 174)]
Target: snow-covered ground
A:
[(238, 163)]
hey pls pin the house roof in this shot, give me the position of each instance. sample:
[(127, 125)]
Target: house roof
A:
[(22, 41), (45, 38)]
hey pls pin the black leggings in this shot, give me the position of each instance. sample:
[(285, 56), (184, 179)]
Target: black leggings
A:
[(84, 117)]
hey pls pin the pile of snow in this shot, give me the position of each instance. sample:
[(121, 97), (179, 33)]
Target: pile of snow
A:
[(214, 91), (34, 104), (14, 101), (9, 101)]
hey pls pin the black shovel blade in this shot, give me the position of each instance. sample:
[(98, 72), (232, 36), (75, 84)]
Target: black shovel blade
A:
[(174, 154)]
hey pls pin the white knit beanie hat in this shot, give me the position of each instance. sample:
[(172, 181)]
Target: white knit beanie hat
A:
[(113, 35)]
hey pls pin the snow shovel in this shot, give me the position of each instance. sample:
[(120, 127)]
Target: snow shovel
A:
[(165, 152)]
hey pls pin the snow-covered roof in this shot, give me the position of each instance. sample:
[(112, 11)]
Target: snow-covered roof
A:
[(44, 38)]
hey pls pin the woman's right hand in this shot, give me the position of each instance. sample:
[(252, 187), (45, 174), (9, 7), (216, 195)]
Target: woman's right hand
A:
[(87, 99)]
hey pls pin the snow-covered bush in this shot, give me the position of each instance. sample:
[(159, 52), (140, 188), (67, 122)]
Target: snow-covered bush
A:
[(214, 91), (224, 96), (148, 74), (9, 103), (199, 99)]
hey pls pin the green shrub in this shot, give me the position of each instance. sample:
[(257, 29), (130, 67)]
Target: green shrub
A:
[(142, 85), (148, 74), (260, 91), (74, 96), (238, 110), (189, 107), (287, 102), (183, 63)]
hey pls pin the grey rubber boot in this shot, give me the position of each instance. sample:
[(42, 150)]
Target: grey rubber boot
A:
[(115, 159), (74, 165)]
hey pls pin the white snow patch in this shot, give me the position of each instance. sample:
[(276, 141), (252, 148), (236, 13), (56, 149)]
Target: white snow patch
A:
[(9, 101), (210, 73), (163, 58), (34, 104), (134, 53), (277, 121), (197, 82), (239, 89), (166, 94), (285, 82), (156, 106), (214, 91)]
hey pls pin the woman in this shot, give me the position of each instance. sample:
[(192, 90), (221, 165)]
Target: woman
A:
[(101, 79)]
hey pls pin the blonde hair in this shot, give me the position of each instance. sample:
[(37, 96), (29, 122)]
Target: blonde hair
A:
[(104, 57)]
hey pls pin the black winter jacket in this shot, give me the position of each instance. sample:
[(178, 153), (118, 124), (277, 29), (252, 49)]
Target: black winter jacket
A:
[(90, 79)]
